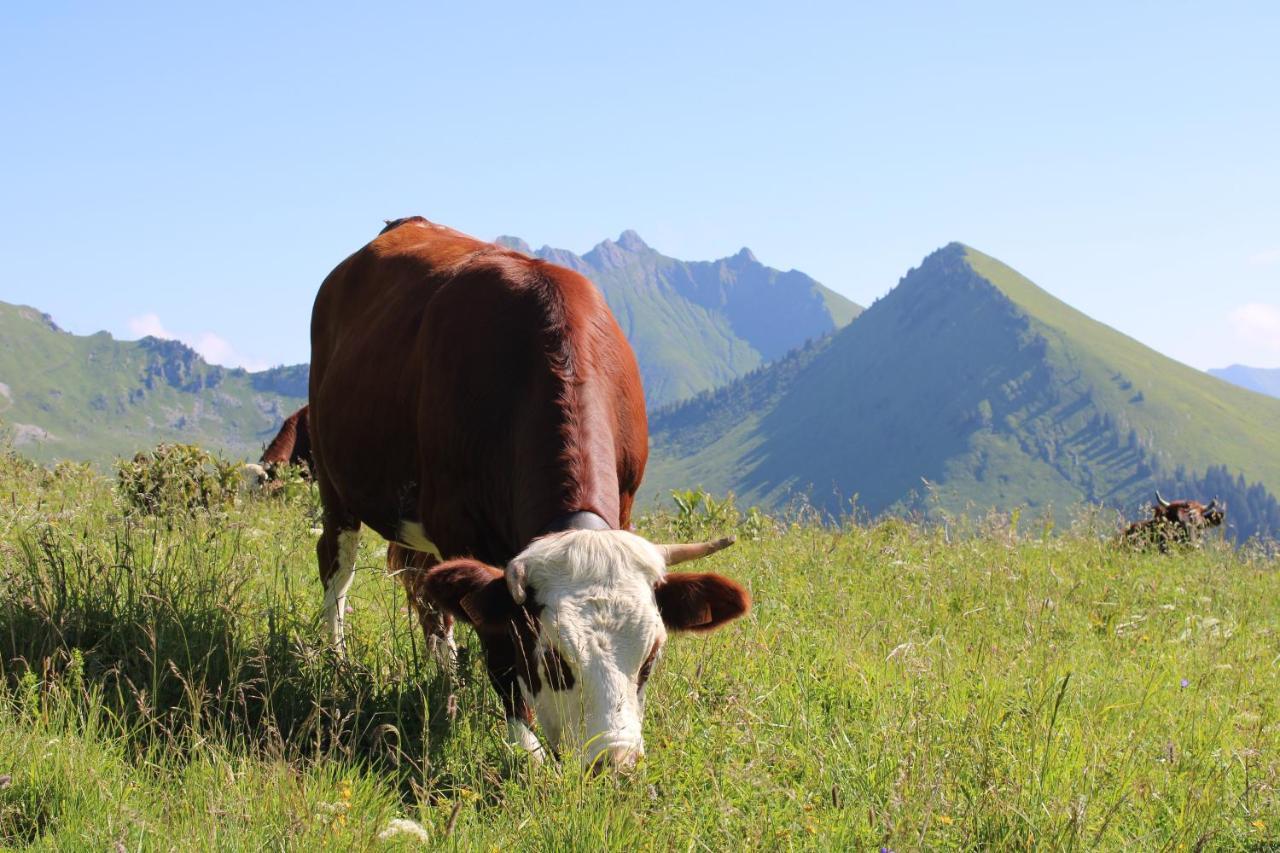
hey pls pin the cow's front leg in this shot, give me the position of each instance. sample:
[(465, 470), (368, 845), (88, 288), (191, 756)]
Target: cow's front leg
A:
[(336, 554)]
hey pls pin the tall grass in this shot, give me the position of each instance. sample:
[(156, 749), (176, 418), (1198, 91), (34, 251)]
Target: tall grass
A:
[(166, 686)]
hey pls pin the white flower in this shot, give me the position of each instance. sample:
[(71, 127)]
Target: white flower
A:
[(401, 826)]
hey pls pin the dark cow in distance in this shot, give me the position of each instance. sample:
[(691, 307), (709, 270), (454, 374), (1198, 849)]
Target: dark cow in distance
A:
[(1173, 523), (291, 446), (484, 409)]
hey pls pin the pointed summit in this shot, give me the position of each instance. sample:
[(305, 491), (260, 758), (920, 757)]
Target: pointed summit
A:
[(631, 241), (695, 325), (509, 242)]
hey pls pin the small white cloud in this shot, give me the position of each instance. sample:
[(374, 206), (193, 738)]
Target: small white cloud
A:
[(149, 324), (1258, 324), (214, 348), (1265, 258)]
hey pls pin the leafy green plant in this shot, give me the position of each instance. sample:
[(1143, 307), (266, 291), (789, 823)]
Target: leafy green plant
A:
[(176, 478)]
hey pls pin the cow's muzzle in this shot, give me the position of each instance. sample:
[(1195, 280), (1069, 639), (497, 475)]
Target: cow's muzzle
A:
[(616, 758)]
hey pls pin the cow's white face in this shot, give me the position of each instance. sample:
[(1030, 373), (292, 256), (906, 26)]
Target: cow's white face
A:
[(253, 476), (575, 623), (599, 634)]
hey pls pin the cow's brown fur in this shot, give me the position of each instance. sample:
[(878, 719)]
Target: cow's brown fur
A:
[(292, 444), (472, 390)]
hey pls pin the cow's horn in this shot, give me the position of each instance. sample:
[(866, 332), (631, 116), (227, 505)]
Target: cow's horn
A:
[(683, 552), (1211, 505), (1164, 504), (516, 580)]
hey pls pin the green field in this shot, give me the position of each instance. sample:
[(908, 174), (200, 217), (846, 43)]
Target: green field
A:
[(166, 687)]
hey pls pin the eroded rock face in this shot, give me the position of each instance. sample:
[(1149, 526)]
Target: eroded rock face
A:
[(24, 434)]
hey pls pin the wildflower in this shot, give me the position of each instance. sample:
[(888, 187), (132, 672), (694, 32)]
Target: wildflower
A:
[(1259, 824), (401, 826), (945, 820), (1185, 683)]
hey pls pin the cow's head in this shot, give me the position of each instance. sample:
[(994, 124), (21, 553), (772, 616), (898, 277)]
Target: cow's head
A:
[(586, 614), (1190, 516), (1187, 519), (253, 475)]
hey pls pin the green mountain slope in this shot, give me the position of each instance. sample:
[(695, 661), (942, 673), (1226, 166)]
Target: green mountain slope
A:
[(1261, 379), (966, 387), (696, 325), (65, 396)]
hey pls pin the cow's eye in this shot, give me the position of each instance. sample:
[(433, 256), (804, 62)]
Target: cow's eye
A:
[(559, 674), (646, 668)]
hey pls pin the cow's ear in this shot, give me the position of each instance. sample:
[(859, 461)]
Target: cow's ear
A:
[(473, 592), (699, 602)]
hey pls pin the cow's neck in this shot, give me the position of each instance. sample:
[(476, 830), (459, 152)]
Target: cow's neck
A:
[(578, 520)]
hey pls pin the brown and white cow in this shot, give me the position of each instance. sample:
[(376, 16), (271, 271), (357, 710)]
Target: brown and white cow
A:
[(1173, 523), (291, 446), (484, 408)]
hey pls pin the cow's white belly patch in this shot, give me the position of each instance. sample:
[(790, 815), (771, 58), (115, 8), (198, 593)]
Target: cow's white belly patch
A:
[(413, 536)]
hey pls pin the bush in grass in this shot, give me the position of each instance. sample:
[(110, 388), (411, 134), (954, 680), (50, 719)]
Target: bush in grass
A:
[(176, 478)]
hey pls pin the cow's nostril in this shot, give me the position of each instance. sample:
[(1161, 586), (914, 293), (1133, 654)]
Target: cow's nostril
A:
[(617, 758), (624, 758)]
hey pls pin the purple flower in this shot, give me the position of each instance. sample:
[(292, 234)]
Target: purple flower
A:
[(1185, 683)]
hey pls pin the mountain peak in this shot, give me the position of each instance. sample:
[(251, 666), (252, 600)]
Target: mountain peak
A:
[(611, 255), (631, 241), (508, 242), (745, 256)]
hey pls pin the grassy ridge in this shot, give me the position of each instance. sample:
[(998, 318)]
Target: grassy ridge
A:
[(65, 396), (166, 686), (1185, 416)]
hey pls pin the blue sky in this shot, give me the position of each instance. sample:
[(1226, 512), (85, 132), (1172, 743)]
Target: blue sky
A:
[(197, 171)]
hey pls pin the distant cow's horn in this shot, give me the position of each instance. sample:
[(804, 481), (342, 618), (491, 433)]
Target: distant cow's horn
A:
[(516, 580), (1211, 505), (1164, 504), (683, 552)]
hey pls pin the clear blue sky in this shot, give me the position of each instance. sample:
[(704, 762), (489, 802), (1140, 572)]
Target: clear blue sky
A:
[(198, 170)]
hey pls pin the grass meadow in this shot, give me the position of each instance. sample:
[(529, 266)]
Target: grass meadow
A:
[(165, 685)]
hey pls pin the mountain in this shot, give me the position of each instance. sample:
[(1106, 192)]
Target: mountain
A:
[(1261, 379), (696, 325), (65, 396), (968, 387)]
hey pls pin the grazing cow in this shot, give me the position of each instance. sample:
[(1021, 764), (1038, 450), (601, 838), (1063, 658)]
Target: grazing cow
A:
[(484, 409), (1173, 523), (291, 446)]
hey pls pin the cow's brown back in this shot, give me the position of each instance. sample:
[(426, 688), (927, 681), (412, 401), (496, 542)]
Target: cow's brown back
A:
[(471, 389)]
